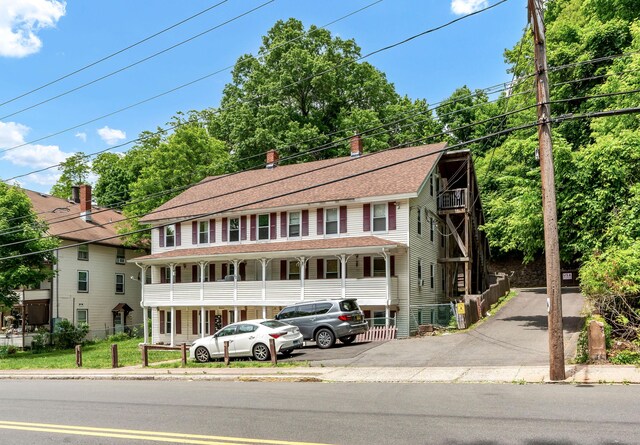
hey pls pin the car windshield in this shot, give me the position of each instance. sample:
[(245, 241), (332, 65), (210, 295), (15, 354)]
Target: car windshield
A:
[(349, 305), (273, 324)]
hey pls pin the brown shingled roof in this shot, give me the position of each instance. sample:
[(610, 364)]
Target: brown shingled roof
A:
[(256, 189), (284, 246), (68, 225)]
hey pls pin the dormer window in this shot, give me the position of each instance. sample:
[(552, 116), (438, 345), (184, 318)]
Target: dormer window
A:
[(170, 236), (234, 229)]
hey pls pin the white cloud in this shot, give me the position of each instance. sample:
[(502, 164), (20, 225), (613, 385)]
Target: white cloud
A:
[(29, 155), (82, 136), (111, 136), (20, 21), (460, 7)]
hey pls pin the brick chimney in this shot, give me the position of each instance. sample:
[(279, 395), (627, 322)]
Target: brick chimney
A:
[(356, 146), (272, 158), (85, 202)]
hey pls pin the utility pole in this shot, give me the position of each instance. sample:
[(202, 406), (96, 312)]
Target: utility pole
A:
[(551, 247)]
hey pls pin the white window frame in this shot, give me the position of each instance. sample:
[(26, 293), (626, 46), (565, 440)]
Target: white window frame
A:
[(170, 238), (199, 271), (326, 268), (83, 252), (206, 321), (86, 316), (120, 254), (298, 225), (203, 235), (327, 221), (379, 260), (431, 229), (123, 286), (374, 217), (260, 227), (234, 230), (291, 273), (167, 322), (432, 277), (86, 281)]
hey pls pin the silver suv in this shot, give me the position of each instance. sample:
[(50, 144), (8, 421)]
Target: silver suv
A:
[(326, 320)]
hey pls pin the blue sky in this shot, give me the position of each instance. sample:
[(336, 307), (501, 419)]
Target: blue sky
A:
[(41, 40)]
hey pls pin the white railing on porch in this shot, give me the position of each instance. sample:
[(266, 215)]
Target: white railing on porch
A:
[(368, 291)]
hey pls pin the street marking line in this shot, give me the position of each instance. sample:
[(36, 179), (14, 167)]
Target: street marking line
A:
[(141, 434)]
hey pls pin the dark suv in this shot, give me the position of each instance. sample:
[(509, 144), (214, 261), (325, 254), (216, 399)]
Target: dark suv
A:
[(326, 320)]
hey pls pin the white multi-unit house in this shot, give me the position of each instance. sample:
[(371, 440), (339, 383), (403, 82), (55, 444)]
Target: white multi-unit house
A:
[(93, 273), (369, 226)]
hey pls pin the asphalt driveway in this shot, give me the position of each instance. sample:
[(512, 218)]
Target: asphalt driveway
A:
[(515, 336)]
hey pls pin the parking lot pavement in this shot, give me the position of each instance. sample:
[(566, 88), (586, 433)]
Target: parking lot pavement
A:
[(310, 352)]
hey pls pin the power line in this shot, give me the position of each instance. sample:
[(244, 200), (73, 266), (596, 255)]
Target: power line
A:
[(138, 62), (109, 56), (321, 148), (184, 85), (287, 86), (311, 187)]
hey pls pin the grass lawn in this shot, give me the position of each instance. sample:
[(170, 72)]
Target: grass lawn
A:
[(95, 355)]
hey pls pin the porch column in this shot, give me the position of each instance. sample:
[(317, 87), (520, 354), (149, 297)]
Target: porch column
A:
[(387, 267), (264, 262), (236, 264), (302, 261), (172, 270), (145, 321), (203, 266), (343, 273)]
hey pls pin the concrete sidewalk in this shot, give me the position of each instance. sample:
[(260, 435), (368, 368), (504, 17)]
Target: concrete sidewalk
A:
[(576, 374)]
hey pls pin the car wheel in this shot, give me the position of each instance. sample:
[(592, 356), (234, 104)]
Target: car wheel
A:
[(348, 339), (325, 338), (261, 352), (202, 354)]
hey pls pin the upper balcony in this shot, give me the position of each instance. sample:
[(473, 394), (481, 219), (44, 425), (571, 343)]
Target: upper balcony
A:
[(452, 201)]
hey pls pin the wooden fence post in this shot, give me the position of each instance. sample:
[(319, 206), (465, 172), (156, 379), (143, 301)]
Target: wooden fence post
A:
[(145, 356), (272, 349), (183, 351), (114, 355), (79, 356), (226, 353)]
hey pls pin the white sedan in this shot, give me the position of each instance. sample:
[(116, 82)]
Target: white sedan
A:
[(248, 339)]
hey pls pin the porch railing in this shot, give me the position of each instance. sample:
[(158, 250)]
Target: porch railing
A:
[(452, 199)]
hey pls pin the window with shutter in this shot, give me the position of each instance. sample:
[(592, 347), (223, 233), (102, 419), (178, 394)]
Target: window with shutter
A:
[(203, 232), (194, 232), (305, 223), (366, 217)]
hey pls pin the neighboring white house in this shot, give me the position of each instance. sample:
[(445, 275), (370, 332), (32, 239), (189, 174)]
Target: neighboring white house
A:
[(368, 226), (92, 282)]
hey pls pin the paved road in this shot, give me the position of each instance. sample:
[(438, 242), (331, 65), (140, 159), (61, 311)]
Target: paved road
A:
[(348, 414), (515, 336)]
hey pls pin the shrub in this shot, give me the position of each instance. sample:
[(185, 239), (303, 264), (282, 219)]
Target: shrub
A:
[(626, 358), (40, 342), (7, 350), (66, 335)]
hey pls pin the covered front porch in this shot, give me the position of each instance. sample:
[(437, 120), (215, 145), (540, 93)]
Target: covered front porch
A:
[(265, 279)]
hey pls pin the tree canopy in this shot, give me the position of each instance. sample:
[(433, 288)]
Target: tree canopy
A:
[(21, 232)]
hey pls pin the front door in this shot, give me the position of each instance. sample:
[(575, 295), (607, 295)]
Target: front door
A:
[(118, 325)]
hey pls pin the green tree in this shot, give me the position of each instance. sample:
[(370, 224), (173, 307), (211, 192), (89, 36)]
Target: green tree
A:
[(115, 174), (167, 164), (21, 233), (306, 88), (75, 170)]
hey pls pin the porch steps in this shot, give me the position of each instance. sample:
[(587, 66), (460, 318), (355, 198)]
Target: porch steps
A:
[(378, 333)]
